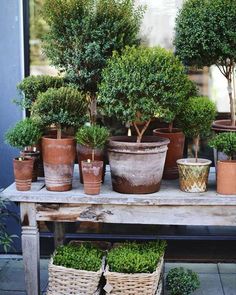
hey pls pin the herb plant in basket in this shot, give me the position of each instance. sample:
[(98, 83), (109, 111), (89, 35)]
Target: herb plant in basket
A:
[(91, 141), (199, 113)]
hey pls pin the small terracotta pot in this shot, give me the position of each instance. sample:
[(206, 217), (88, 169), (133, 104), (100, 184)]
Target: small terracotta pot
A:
[(226, 177), (193, 176), (92, 175), (23, 170), (175, 150), (58, 161), (35, 156)]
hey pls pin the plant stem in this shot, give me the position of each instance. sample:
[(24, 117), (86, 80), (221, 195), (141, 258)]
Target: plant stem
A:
[(92, 108), (93, 155), (196, 142), (59, 131), (232, 103), (170, 127), (140, 133)]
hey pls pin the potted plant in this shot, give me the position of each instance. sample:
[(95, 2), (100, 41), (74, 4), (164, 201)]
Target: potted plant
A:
[(81, 49), (134, 268), (90, 146), (75, 269), (25, 134), (226, 169), (202, 40), (199, 113), (181, 281), (61, 107)]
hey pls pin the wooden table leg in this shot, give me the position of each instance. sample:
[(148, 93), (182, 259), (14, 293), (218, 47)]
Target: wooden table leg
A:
[(59, 233), (30, 248)]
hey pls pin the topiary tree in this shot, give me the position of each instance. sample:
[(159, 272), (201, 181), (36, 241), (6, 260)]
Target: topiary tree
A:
[(61, 107), (83, 34), (143, 83), (206, 35), (198, 115), (225, 142)]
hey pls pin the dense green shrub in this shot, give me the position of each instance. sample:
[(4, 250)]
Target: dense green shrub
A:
[(92, 136), (225, 142), (25, 133), (206, 35), (180, 281), (136, 258), (143, 83), (83, 257), (62, 107)]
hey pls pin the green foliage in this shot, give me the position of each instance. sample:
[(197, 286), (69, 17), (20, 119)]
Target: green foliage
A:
[(92, 136), (63, 107), (225, 142), (83, 33), (83, 257), (136, 258), (31, 86), (143, 83), (198, 114), (206, 32), (25, 133), (182, 281)]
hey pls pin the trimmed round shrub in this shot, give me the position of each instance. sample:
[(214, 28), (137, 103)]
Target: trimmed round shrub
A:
[(225, 142)]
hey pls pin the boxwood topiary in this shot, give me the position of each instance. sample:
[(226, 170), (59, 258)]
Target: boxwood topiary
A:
[(225, 142), (180, 281)]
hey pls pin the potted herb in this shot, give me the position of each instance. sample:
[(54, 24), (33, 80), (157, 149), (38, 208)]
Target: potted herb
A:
[(199, 113), (226, 169), (181, 281), (25, 134), (134, 268), (61, 107), (205, 36)]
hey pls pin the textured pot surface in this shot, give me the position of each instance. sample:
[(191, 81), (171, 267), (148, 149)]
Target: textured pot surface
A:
[(223, 126), (84, 153), (137, 168), (175, 150), (58, 160), (23, 173), (193, 176), (35, 156), (226, 177), (92, 175)]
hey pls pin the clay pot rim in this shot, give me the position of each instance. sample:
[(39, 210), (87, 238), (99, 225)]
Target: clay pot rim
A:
[(227, 162), (53, 138), (91, 162), (223, 125), (130, 141), (31, 152), (192, 162), (166, 131)]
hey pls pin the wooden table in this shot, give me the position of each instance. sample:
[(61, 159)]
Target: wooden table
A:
[(170, 206)]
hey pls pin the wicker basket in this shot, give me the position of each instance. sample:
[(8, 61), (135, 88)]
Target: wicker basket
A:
[(133, 284)]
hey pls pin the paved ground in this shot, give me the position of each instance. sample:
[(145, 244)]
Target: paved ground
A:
[(216, 279)]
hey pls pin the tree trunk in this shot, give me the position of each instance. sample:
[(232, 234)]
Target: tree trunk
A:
[(196, 142), (58, 131), (93, 108), (232, 102)]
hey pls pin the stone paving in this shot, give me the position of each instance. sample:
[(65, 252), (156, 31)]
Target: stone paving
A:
[(216, 279)]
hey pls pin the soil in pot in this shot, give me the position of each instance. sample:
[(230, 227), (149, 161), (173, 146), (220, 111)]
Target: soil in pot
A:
[(58, 160), (226, 177), (175, 150), (35, 156), (137, 168), (193, 176), (92, 176), (23, 170)]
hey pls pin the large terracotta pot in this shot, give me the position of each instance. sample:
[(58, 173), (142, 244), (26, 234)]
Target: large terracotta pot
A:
[(226, 177), (193, 176), (35, 156), (223, 126), (92, 175), (137, 168), (175, 150), (23, 173), (58, 161)]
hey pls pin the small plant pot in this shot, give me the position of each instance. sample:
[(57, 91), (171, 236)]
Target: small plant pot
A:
[(23, 170), (92, 176), (226, 177), (193, 176), (35, 156)]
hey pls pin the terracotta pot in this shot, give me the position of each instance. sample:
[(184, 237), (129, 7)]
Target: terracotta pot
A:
[(193, 176), (58, 161), (23, 173), (92, 175), (84, 153), (226, 177), (222, 126), (137, 168), (175, 150), (35, 156)]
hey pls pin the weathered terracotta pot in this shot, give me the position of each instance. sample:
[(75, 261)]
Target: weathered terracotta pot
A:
[(137, 168), (58, 161), (175, 150), (23, 173), (226, 177), (193, 176), (35, 156), (222, 126), (92, 176), (84, 153)]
